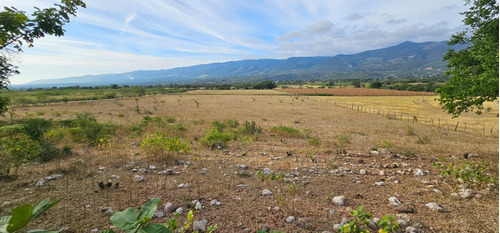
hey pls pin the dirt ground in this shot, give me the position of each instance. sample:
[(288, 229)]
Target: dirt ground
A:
[(330, 169)]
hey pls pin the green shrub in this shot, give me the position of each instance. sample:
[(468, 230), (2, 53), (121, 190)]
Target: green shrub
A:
[(180, 127), (249, 128), (36, 128), (120, 115), (232, 123), (89, 131), (282, 130), (16, 149), (219, 126), (214, 138), (159, 143), (170, 119), (359, 224), (469, 172), (388, 224), (343, 140)]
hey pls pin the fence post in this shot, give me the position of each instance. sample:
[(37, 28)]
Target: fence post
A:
[(456, 127), (465, 126), (484, 126), (432, 121), (439, 122), (491, 131), (401, 116), (378, 112), (448, 126)]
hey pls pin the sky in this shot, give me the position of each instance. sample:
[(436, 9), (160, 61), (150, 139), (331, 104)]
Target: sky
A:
[(116, 36)]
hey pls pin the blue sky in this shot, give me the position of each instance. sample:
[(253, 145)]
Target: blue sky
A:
[(115, 36)]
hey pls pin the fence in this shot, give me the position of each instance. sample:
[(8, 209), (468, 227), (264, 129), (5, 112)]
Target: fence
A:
[(426, 119)]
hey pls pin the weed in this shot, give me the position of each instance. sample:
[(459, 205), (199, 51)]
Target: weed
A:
[(388, 224), (307, 133), (386, 144), (170, 119), (410, 131), (197, 103), (215, 138), (286, 131), (358, 224), (120, 115), (423, 140), (314, 141), (285, 196), (219, 126), (232, 123), (250, 128), (180, 127), (158, 144), (89, 130), (40, 113), (246, 140), (468, 172)]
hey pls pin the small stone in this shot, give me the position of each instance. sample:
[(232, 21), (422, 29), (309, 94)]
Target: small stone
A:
[(166, 172), (394, 201), (381, 183), (95, 230), (382, 173), (203, 170), (405, 208), (374, 152), (160, 214), (54, 177), (290, 219), (308, 193), (362, 172), (180, 162), (179, 210), (243, 166), (107, 211), (6, 204), (215, 202), (411, 230), (437, 191), (343, 222), (336, 226), (134, 169), (183, 186), (402, 222), (241, 186), (198, 206), (40, 183), (376, 220), (266, 192), (168, 208), (247, 229), (435, 207), (152, 167), (339, 200), (419, 172), (200, 225), (267, 171), (138, 178), (87, 206), (466, 193), (455, 195)]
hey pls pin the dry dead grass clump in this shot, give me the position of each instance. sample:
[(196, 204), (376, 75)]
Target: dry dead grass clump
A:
[(347, 139), (350, 91)]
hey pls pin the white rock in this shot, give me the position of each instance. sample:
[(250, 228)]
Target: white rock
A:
[(382, 173), (267, 171), (381, 183), (435, 206), (6, 203), (168, 208), (160, 214), (203, 170), (40, 183), (198, 206), (402, 222), (290, 219), (200, 225), (411, 230), (54, 177), (339, 200), (362, 172), (152, 167), (374, 152), (266, 192), (466, 193), (183, 185), (215, 202), (138, 178), (394, 201), (179, 210)]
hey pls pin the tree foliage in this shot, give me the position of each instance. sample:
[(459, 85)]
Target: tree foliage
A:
[(473, 71), (17, 29)]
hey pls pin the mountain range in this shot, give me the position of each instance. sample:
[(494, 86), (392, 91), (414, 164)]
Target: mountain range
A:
[(407, 58)]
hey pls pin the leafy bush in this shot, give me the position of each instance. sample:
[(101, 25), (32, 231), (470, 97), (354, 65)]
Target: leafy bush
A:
[(180, 127), (88, 130), (468, 172), (219, 126), (215, 138), (388, 224), (286, 131), (159, 143), (170, 119), (250, 128), (232, 123), (36, 128), (358, 224), (16, 149), (24, 214)]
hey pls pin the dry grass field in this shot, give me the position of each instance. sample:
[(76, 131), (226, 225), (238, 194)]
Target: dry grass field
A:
[(334, 145), (351, 91)]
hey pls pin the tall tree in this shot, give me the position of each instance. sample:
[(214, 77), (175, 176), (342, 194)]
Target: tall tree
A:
[(473, 71), (17, 28)]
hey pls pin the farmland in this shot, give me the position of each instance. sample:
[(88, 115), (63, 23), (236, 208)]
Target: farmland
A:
[(350, 91), (324, 149)]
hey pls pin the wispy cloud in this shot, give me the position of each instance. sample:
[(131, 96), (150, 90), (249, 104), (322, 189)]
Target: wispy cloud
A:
[(113, 36)]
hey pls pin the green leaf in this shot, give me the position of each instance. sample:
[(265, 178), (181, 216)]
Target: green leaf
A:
[(149, 208), (126, 220), (21, 216), (155, 228), (44, 206)]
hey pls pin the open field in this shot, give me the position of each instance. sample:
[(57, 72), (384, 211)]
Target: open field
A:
[(332, 147), (350, 91)]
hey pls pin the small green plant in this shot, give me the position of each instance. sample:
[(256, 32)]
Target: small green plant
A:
[(24, 214), (232, 123), (469, 172), (219, 126), (137, 107), (285, 195), (388, 224), (40, 113), (358, 224), (423, 140), (159, 143), (245, 140), (387, 144), (410, 131), (89, 130), (120, 115), (314, 141), (170, 119), (249, 128), (286, 131), (180, 127), (215, 138)]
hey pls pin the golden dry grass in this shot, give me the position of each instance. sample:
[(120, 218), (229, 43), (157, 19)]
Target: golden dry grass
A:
[(313, 212), (350, 91)]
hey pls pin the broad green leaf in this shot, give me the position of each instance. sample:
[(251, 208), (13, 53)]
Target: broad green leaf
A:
[(21, 216), (125, 220), (149, 208), (41, 231), (155, 228), (44, 206)]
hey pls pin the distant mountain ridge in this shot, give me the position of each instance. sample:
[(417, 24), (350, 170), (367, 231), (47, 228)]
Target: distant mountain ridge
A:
[(405, 58)]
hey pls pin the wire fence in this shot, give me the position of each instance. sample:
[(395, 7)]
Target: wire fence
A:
[(482, 128)]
